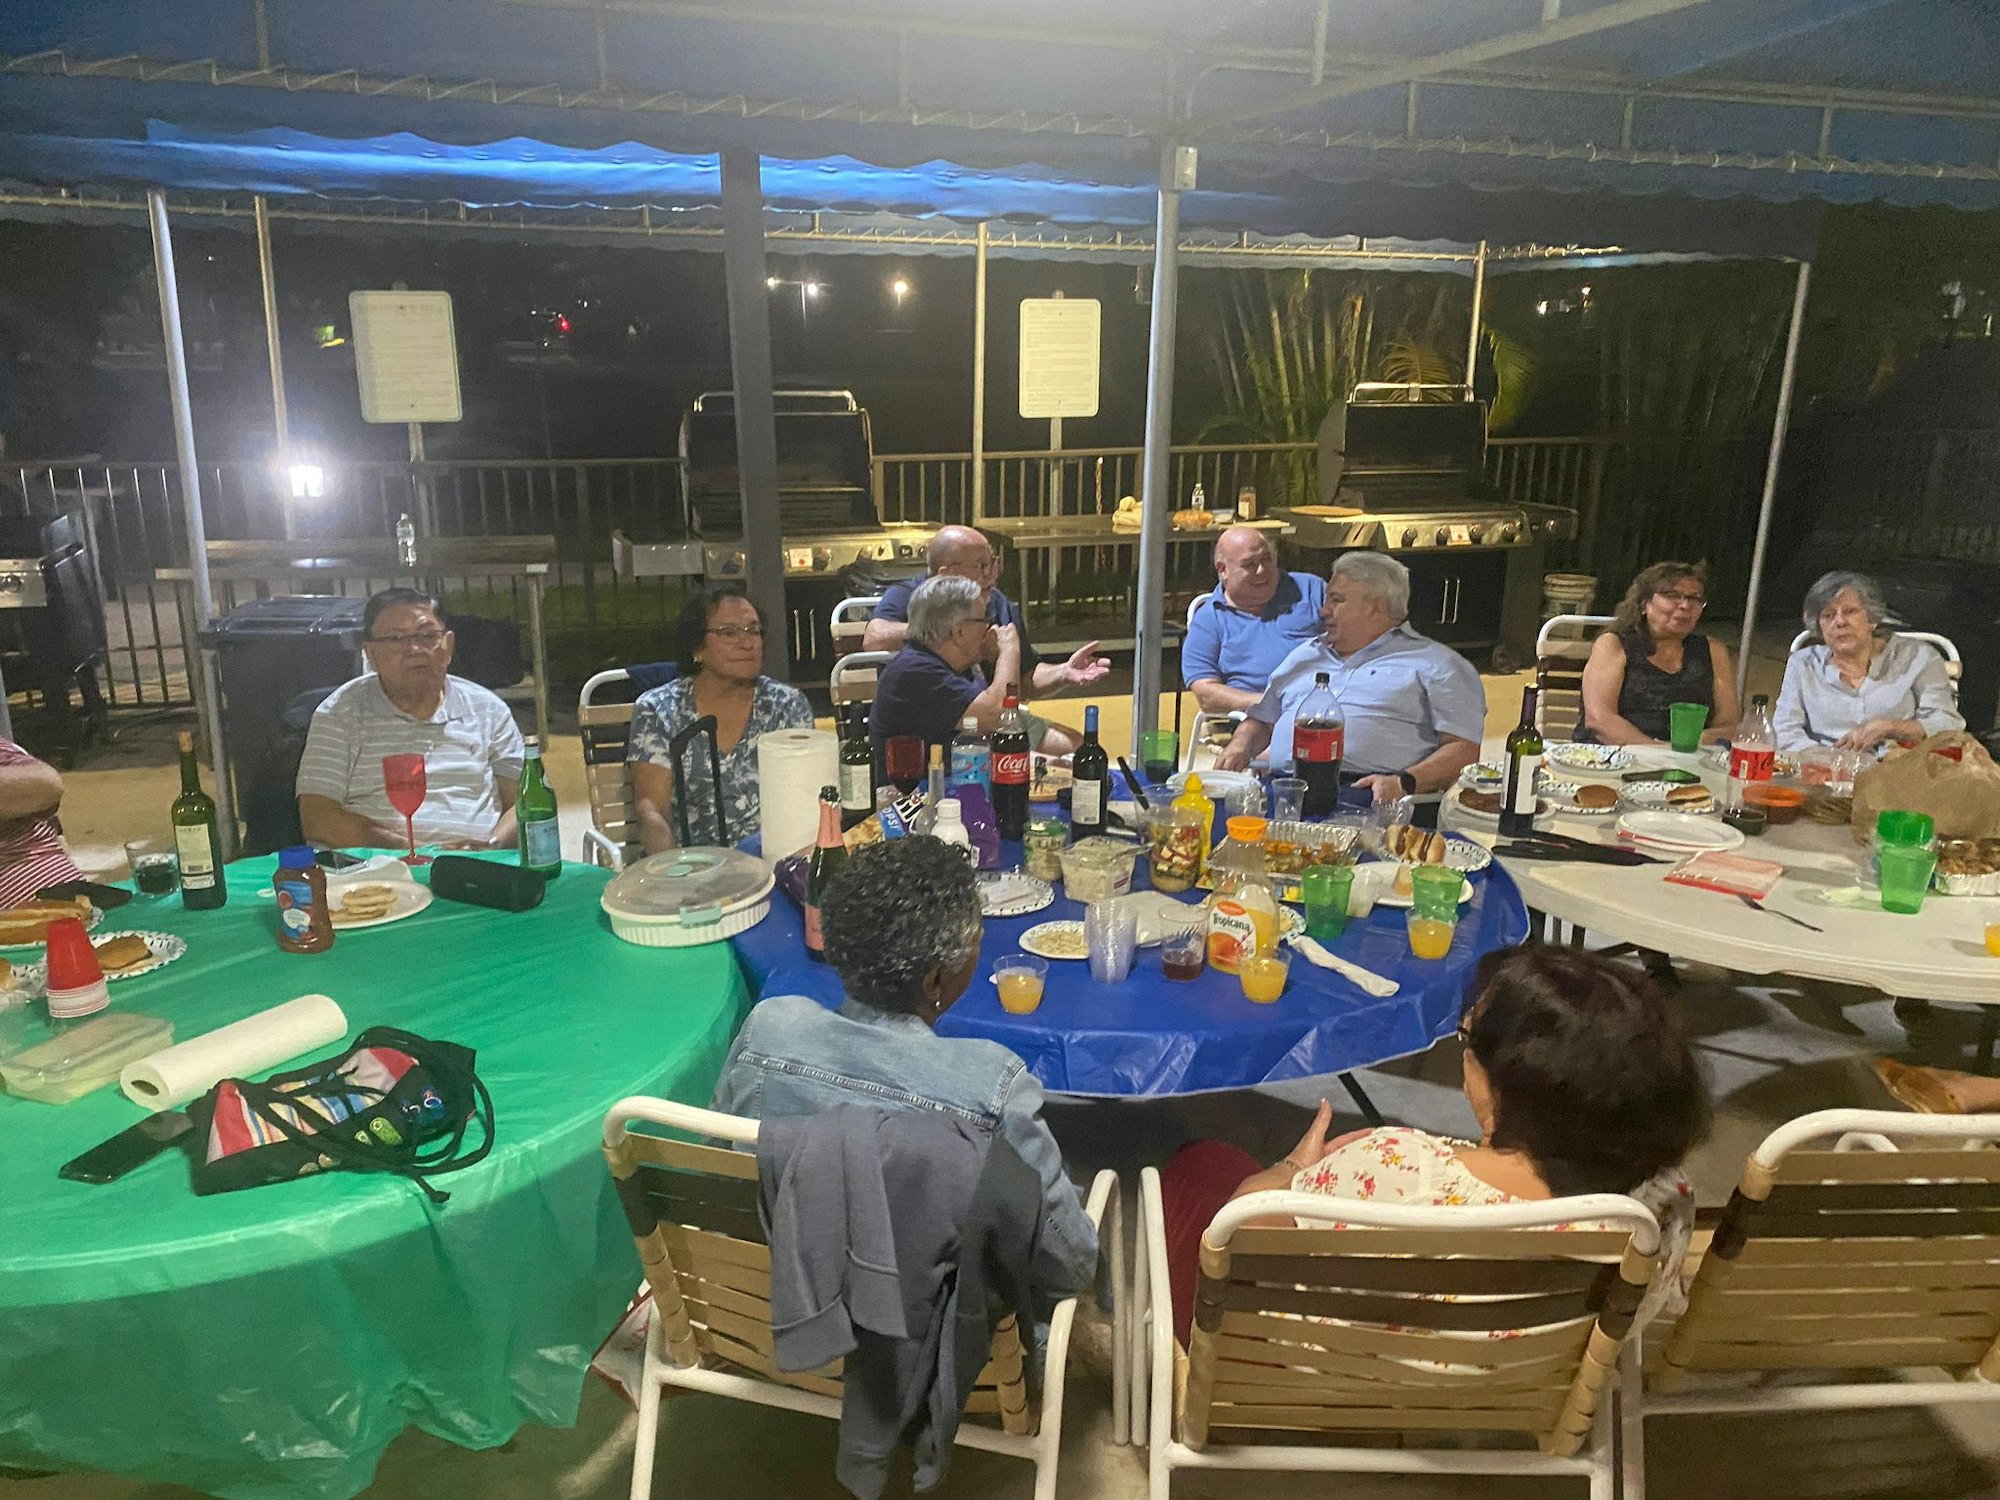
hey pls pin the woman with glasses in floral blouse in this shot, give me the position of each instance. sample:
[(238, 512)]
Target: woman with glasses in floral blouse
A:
[(1653, 656), (722, 674)]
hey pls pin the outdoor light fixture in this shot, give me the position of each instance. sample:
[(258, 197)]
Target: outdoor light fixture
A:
[(900, 287), (308, 481), (771, 283), (813, 288)]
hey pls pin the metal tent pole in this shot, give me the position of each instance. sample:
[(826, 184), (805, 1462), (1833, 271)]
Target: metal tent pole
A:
[(281, 420), (756, 409), (1779, 424), (209, 693), (979, 376), (1156, 499), (1478, 309)]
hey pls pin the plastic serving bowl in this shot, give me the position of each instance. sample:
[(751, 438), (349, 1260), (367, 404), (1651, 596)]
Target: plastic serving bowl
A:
[(686, 897)]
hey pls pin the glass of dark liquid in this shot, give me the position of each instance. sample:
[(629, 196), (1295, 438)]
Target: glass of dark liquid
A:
[(1183, 952), (1160, 754), (156, 871), (903, 761)]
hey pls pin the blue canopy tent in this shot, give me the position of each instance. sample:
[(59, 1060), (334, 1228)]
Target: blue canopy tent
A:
[(1710, 125)]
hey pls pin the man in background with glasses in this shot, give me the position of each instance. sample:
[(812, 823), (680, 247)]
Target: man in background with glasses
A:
[(410, 704), (962, 552)]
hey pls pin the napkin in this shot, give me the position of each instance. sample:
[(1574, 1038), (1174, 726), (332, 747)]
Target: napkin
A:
[(1367, 979)]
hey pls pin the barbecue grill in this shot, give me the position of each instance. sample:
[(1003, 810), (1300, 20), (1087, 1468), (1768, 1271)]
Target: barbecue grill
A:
[(1404, 472), (834, 542)]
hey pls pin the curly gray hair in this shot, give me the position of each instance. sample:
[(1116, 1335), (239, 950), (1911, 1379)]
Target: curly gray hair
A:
[(1830, 586), (1378, 575), (895, 913), (937, 604)]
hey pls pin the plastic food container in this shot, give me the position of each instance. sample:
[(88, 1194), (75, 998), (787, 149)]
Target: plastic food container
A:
[(1099, 868), (1290, 847), (686, 897), (85, 1057), (1968, 867), (1177, 847), (1779, 804), (1042, 844)]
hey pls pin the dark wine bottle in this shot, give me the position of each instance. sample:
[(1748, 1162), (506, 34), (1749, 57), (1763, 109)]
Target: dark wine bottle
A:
[(857, 769), (1524, 759), (196, 842), (1090, 785)]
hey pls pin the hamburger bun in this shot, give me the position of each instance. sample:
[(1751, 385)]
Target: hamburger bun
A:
[(30, 921), (1596, 795), (122, 953), (1688, 798)]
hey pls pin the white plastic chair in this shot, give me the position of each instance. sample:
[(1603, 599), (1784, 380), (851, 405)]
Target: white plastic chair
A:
[(852, 679), (849, 621), (1954, 666), (694, 1213), (1561, 649)]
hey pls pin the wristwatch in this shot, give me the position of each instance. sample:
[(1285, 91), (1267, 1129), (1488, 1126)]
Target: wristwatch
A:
[(1409, 781)]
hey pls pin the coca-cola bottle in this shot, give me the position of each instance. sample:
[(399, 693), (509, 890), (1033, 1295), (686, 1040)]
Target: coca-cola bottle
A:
[(1010, 770), (1319, 739), (1753, 749)]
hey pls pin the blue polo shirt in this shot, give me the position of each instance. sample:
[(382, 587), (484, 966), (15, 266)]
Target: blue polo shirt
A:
[(1400, 695), (1242, 650), (1000, 610)]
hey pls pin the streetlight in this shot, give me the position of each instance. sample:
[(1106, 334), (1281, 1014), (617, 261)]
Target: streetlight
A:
[(899, 288)]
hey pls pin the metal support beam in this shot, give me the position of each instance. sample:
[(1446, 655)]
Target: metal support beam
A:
[(1319, 43), (1779, 424), (281, 421), (201, 663), (1478, 310), (756, 415), (1507, 44), (1156, 486), (979, 375)]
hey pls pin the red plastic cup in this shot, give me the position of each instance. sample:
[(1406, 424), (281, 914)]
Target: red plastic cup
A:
[(72, 961)]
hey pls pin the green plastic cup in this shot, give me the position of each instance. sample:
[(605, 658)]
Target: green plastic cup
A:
[(1685, 722), (1159, 754), (1325, 889), (1909, 829), (1434, 892), (1906, 876)]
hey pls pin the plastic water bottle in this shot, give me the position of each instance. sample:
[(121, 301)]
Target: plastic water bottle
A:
[(971, 757), (406, 540), (1199, 499)]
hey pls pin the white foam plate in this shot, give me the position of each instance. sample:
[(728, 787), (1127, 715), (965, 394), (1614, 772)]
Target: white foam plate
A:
[(1042, 940), (1381, 874), (1683, 831), (1013, 893), (1588, 760), (411, 898)]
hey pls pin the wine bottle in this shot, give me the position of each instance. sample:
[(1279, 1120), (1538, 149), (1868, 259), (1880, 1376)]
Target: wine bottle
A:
[(1090, 777), (857, 769), (535, 813), (829, 856), (197, 845), (1524, 760)]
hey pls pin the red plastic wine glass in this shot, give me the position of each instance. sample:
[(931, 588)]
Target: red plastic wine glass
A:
[(903, 761), (403, 781)]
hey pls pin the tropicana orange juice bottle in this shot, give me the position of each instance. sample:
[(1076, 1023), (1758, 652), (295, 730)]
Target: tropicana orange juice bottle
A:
[(1243, 913)]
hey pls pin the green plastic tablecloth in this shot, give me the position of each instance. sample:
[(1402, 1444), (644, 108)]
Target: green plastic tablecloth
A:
[(272, 1342)]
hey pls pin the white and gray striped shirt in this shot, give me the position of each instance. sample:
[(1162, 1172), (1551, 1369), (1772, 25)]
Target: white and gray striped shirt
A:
[(469, 746)]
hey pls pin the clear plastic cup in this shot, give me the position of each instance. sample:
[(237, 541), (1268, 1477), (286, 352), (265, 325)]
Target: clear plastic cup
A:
[(1264, 975), (1184, 951), (1021, 978), (1111, 932), (1288, 798)]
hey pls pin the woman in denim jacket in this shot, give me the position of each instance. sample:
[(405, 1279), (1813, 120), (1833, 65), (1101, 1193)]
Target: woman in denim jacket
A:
[(901, 927)]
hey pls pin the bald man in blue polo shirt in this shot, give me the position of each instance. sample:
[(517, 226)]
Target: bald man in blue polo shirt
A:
[(1256, 617)]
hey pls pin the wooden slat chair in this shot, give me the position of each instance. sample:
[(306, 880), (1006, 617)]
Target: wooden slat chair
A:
[(1859, 1258), (1303, 1333), (1561, 649), (694, 1213), (604, 721)]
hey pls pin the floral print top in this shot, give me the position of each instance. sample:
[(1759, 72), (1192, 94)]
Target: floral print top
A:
[(668, 709), (1396, 1164)]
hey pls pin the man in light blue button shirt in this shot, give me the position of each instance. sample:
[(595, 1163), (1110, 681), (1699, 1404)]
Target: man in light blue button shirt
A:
[(1415, 709), (1255, 618)]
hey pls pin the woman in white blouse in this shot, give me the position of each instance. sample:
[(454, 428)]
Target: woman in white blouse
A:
[(1855, 685)]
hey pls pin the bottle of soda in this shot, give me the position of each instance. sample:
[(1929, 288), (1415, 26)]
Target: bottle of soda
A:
[(1524, 760), (1090, 789), (1319, 740), (829, 857), (1010, 770), (971, 756), (857, 769), (1753, 749)]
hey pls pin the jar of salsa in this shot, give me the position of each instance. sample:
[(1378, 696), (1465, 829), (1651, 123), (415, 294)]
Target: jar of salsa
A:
[(1042, 844)]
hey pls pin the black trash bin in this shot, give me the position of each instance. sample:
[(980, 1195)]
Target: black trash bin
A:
[(268, 652)]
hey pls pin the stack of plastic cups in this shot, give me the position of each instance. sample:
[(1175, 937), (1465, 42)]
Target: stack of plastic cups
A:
[(76, 984)]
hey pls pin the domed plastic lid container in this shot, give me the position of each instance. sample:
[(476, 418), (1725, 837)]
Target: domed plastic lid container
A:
[(688, 896)]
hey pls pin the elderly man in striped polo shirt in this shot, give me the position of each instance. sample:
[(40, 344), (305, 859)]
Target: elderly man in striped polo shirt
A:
[(410, 705)]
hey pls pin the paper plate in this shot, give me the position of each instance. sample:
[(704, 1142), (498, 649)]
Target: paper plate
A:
[(1055, 940), (1545, 813), (1215, 785), (1588, 760), (1462, 855), (1563, 795), (1684, 831), (165, 948), (1653, 794), (410, 898), (1386, 893), (1013, 893)]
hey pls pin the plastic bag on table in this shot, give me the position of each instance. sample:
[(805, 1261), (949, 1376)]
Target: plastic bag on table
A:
[(1949, 776)]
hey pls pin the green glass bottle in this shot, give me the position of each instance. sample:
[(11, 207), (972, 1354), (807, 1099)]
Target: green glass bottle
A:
[(196, 842), (535, 812)]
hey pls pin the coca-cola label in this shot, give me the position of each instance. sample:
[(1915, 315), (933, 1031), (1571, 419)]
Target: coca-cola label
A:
[(1747, 763), (1325, 743), (1010, 768)]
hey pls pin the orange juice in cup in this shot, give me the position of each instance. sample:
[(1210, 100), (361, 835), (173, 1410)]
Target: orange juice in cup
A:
[(1263, 975), (1993, 938), (1020, 980), (1430, 938)]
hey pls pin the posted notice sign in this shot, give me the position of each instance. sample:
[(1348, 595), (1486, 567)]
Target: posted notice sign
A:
[(1059, 347), (405, 356)]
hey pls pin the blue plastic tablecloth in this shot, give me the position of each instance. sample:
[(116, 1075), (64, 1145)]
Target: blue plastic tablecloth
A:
[(1152, 1035)]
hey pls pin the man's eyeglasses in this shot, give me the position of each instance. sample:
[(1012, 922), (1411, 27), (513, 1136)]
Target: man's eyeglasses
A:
[(736, 632), (423, 640)]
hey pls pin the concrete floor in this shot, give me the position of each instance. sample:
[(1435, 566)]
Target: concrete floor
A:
[(1772, 1051)]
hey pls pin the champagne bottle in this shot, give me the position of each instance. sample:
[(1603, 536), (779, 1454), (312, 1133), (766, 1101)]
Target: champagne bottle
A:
[(1524, 759), (829, 857), (535, 813), (857, 769), (1090, 771), (196, 843)]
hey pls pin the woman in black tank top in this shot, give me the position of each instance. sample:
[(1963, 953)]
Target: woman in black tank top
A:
[(1653, 657)]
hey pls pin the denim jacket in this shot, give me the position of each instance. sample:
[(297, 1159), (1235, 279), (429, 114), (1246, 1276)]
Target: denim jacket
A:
[(796, 1057)]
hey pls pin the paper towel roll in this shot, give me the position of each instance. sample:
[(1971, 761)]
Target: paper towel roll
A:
[(168, 1079), (792, 765)]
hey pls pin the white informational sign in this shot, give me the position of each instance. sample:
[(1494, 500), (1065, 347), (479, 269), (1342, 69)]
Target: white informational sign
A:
[(1059, 345), (405, 356)]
